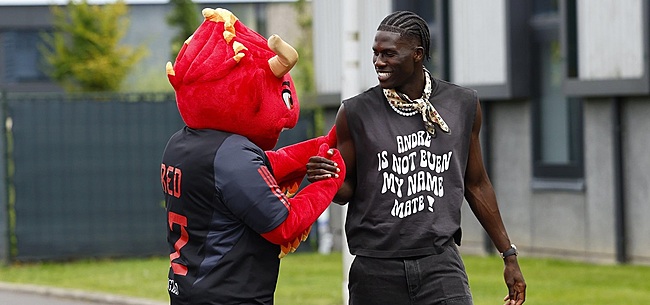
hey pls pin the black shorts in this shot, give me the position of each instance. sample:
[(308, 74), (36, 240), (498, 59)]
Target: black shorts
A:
[(428, 280)]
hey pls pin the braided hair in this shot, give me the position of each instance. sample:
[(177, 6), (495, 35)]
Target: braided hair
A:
[(408, 23)]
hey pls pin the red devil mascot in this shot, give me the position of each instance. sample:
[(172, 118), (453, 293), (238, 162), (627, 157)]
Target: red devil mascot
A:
[(227, 210)]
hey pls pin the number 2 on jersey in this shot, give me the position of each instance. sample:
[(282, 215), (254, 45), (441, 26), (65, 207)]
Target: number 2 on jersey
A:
[(180, 220)]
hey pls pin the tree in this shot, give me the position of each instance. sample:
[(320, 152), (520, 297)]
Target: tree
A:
[(83, 51), (303, 72), (186, 17)]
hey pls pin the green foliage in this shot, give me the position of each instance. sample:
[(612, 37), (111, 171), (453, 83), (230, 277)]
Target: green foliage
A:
[(147, 78), (83, 52), (184, 16), (310, 278), (303, 72)]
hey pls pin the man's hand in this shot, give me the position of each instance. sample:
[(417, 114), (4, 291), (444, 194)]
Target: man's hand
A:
[(319, 168), (515, 282)]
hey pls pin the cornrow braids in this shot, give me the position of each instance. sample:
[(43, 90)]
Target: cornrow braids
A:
[(408, 23)]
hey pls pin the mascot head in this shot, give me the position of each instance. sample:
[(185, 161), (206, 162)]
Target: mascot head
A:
[(228, 77)]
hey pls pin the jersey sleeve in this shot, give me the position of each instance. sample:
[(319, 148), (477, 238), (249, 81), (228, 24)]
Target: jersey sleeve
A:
[(247, 187)]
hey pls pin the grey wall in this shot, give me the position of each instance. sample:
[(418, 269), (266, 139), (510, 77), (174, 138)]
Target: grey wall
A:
[(636, 169), (568, 223)]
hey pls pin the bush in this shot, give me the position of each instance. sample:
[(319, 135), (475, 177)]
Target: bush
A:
[(83, 52)]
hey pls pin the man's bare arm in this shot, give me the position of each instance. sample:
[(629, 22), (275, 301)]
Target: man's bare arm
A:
[(482, 200), (346, 146)]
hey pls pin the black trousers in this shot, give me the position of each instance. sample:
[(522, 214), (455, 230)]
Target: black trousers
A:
[(429, 280)]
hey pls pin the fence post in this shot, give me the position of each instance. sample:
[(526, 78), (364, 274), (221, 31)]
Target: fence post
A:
[(5, 247)]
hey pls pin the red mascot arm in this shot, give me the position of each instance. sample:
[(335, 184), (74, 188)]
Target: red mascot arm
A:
[(306, 207), (289, 163)]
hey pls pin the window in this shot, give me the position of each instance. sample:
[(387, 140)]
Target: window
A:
[(23, 59), (557, 119), (434, 13)]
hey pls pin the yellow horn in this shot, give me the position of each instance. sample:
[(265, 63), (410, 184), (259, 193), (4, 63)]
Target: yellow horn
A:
[(286, 56)]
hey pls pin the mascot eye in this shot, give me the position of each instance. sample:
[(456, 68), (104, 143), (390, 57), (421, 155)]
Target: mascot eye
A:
[(288, 100)]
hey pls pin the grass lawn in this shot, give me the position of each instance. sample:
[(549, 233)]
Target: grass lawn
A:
[(314, 279)]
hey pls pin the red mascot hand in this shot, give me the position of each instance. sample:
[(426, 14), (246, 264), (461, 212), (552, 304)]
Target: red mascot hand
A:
[(292, 246), (288, 163), (308, 205), (331, 137)]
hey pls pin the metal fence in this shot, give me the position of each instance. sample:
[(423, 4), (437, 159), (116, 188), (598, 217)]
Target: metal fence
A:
[(81, 174)]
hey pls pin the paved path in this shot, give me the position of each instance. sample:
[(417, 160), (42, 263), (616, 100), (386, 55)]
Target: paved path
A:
[(18, 294), (24, 298)]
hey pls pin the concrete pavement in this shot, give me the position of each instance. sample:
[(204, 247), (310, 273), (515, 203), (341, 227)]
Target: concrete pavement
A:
[(20, 294)]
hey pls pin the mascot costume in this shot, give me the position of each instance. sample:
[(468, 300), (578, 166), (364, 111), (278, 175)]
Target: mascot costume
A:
[(228, 212)]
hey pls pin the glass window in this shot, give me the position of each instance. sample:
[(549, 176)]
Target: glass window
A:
[(23, 59), (431, 12), (557, 119), (545, 6)]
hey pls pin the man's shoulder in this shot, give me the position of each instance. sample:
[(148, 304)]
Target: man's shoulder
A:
[(445, 89), (443, 84)]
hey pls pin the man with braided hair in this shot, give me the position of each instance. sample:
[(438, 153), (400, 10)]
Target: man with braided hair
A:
[(412, 153)]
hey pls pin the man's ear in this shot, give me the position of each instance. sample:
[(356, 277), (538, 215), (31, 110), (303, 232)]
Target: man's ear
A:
[(418, 54)]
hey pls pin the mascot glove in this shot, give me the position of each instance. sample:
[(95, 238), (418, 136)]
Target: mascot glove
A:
[(308, 205), (292, 246), (289, 163)]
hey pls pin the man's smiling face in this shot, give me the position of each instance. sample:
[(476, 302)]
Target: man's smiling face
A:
[(395, 58)]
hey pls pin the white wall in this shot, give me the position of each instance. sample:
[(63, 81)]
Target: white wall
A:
[(478, 42), (610, 39), (329, 48)]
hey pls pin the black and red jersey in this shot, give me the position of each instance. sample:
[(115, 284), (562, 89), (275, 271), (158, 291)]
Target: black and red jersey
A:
[(220, 196)]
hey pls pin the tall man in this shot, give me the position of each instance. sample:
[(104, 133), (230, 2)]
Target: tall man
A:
[(412, 153)]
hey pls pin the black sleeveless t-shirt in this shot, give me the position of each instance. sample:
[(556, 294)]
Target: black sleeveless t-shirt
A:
[(410, 184)]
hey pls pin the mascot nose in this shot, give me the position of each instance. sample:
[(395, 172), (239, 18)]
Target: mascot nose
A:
[(286, 56)]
